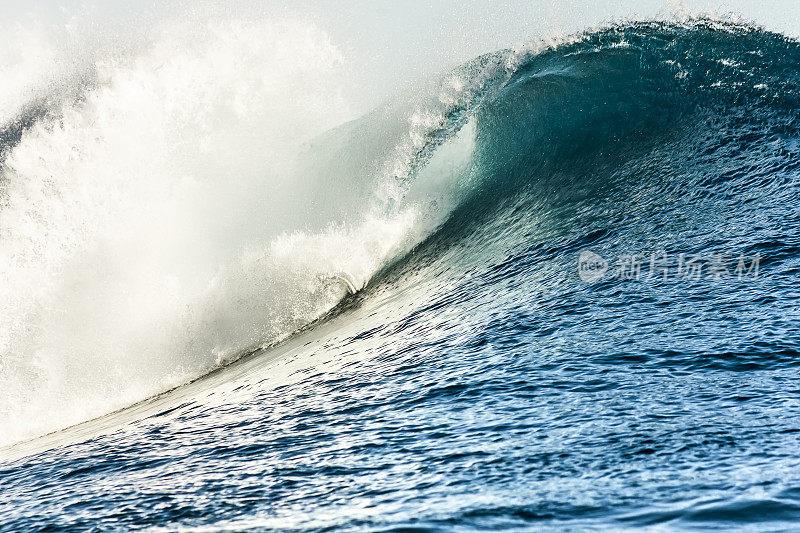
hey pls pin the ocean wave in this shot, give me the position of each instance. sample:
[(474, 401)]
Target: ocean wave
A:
[(187, 206)]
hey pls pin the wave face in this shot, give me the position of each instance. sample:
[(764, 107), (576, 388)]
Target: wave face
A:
[(180, 212)]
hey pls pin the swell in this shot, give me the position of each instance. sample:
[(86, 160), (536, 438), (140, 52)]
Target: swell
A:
[(631, 140), (539, 132)]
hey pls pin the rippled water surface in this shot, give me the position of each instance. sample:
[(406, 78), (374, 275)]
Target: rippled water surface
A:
[(478, 381)]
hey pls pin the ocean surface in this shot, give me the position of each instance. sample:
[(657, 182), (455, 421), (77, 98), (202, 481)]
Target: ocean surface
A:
[(572, 303)]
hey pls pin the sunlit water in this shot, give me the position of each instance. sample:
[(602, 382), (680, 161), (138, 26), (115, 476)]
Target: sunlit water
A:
[(478, 380)]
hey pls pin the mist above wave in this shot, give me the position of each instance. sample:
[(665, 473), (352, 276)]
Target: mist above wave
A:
[(170, 216)]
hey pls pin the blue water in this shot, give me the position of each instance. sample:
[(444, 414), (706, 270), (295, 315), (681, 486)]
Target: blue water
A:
[(479, 382)]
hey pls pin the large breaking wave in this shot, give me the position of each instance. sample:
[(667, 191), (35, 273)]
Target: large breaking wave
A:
[(170, 208)]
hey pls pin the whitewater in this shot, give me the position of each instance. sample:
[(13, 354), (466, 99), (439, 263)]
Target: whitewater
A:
[(172, 213), (246, 286)]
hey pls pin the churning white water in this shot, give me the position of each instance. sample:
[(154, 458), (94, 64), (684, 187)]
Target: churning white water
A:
[(158, 222)]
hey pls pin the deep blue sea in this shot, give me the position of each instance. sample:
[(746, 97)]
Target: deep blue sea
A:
[(602, 334)]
